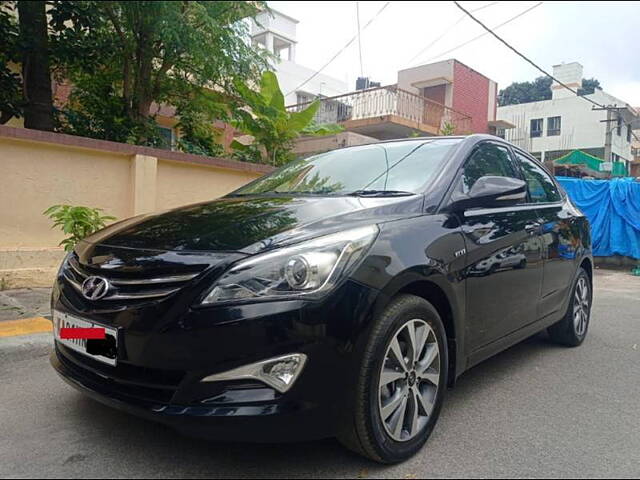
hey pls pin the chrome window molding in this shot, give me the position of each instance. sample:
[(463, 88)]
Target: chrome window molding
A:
[(517, 208)]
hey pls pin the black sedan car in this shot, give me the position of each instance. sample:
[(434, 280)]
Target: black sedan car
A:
[(340, 295)]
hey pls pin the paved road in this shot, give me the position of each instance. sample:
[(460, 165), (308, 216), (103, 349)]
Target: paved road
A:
[(536, 410)]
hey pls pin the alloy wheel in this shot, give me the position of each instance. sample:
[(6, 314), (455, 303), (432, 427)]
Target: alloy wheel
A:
[(581, 307), (409, 380)]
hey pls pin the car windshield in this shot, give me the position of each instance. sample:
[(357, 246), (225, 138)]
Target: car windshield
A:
[(391, 168)]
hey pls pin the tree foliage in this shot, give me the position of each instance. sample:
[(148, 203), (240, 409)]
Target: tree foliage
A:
[(185, 54), (123, 59), (589, 86), (124, 62), (271, 125), (539, 89), (525, 92)]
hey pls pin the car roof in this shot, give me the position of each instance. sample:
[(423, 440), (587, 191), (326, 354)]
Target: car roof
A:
[(475, 136)]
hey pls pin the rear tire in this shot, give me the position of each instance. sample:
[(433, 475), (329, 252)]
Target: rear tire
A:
[(572, 329), (398, 401)]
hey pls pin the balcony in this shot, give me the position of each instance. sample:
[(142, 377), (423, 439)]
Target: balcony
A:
[(387, 113)]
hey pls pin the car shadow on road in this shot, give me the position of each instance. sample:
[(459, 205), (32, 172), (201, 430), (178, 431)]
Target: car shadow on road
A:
[(156, 447)]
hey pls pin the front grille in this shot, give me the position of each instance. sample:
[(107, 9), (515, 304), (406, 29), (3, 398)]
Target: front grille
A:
[(127, 287), (146, 384)]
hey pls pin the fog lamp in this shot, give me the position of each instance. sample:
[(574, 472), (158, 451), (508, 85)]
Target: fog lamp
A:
[(279, 373)]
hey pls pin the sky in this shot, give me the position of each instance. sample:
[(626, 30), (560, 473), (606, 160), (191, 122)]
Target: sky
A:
[(603, 36)]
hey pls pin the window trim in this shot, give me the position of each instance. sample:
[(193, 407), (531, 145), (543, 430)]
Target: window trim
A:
[(173, 138), (514, 208), (445, 202), (555, 132), (541, 131)]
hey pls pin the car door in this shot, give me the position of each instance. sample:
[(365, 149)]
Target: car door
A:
[(560, 234), (504, 254)]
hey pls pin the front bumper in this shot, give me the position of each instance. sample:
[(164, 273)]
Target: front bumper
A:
[(262, 422), (159, 370)]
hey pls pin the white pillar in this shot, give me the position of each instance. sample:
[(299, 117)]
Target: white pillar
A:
[(268, 42)]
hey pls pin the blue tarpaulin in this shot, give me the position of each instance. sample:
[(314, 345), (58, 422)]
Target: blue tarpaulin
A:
[(613, 208)]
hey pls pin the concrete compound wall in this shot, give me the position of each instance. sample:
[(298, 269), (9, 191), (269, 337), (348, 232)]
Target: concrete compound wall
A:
[(40, 169)]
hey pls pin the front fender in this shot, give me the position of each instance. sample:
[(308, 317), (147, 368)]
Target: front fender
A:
[(421, 252)]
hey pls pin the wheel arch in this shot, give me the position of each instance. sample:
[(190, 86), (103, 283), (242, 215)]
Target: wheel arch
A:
[(432, 292), (587, 264)]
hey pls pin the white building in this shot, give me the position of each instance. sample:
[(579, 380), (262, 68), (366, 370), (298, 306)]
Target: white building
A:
[(551, 128), (276, 32)]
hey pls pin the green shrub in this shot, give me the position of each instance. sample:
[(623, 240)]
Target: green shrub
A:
[(447, 129), (77, 222)]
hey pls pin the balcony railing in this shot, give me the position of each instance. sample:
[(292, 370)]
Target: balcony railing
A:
[(388, 101)]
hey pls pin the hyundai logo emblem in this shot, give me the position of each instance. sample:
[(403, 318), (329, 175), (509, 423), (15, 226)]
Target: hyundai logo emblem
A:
[(95, 288)]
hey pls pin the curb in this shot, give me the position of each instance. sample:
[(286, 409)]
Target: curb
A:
[(25, 326)]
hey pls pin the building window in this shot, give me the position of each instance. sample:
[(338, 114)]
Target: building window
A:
[(629, 133), (619, 127), (553, 126), (536, 127), (167, 138), (500, 132)]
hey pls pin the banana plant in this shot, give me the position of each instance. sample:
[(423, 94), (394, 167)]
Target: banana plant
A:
[(272, 127)]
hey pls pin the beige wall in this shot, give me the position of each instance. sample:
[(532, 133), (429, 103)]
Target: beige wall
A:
[(40, 169), (438, 73), (35, 176), (180, 184)]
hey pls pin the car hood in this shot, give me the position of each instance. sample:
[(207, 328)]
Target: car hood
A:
[(252, 224)]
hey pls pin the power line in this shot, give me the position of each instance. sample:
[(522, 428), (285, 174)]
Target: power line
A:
[(348, 44), (485, 33), (447, 31), (531, 62), (520, 54), (359, 39)]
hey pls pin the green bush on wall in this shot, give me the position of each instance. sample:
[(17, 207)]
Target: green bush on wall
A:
[(77, 222)]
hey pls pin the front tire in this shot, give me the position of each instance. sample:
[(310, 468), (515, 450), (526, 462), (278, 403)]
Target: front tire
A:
[(401, 382), (572, 329)]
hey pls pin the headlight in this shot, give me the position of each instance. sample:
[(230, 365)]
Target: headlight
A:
[(308, 269)]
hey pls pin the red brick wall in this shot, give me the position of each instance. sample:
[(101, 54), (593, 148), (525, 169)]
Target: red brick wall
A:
[(471, 96)]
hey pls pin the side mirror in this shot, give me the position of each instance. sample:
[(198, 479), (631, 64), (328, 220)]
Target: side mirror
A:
[(491, 191)]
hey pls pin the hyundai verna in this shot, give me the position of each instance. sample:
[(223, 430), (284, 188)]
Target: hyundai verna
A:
[(339, 296)]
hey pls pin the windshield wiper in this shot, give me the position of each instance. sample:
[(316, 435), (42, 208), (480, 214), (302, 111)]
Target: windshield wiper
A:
[(380, 193)]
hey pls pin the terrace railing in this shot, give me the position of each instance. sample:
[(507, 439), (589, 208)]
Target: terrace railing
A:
[(388, 101)]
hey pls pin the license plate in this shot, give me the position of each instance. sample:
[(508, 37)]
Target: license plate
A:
[(104, 351)]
